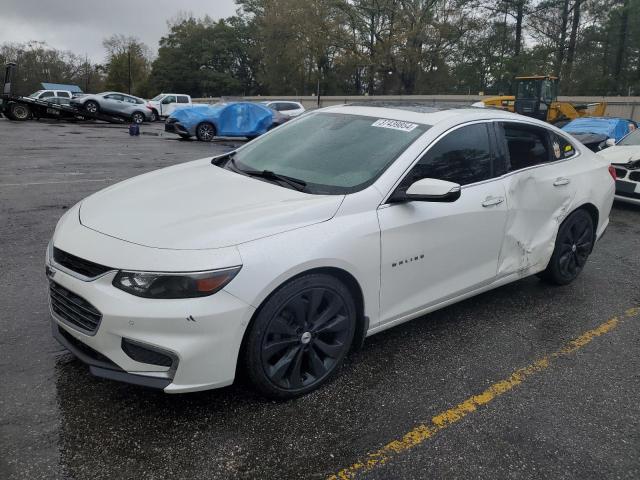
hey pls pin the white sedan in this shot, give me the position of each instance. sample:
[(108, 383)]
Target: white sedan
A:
[(625, 158), (283, 255)]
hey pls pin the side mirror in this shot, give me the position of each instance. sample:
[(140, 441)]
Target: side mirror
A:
[(610, 142), (428, 190)]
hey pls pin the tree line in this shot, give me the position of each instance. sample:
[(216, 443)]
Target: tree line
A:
[(350, 47)]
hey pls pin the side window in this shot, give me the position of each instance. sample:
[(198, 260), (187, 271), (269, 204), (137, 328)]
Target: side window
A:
[(183, 99), (561, 147), (168, 100), (283, 107), (46, 94), (114, 96), (462, 156), (64, 94), (130, 100), (527, 145)]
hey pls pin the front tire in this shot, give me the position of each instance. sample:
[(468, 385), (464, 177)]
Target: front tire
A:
[(574, 244), (300, 336), (154, 116), (205, 132)]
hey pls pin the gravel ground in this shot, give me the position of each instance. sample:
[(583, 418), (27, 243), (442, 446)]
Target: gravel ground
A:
[(579, 418)]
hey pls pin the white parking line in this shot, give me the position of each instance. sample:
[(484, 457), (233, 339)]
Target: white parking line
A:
[(53, 183)]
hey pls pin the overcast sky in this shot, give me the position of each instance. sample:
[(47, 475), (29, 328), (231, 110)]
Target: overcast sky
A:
[(81, 25)]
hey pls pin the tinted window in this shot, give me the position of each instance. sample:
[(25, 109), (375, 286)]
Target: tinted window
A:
[(462, 157), (632, 139), (527, 145), (64, 94), (114, 96), (287, 106), (183, 99), (561, 147), (169, 99), (46, 94)]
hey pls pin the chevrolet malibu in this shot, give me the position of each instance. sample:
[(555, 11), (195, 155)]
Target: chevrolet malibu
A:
[(280, 257)]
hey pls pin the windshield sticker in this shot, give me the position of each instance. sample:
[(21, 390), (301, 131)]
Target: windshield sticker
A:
[(394, 125)]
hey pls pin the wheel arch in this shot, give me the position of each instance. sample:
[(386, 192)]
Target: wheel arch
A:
[(593, 211), (362, 321)]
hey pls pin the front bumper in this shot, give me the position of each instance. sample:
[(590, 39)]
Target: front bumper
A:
[(202, 335), (177, 128)]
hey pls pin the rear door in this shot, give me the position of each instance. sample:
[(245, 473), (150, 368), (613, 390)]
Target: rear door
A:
[(113, 103), (432, 251), (540, 187)]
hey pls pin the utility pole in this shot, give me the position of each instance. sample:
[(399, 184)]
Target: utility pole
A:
[(129, 57)]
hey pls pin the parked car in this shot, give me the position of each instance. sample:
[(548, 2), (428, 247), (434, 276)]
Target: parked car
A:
[(165, 104), (593, 132), (625, 158), (236, 119), (286, 107), (282, 255), (49, 94), (115, 103)]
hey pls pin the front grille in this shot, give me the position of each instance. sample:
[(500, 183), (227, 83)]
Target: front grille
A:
[(73, 309), (145, 355), (635, 176), (621, 172), (79, 265)]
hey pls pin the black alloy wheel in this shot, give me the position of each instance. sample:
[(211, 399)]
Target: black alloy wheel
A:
[(574, 244), (301, 336)]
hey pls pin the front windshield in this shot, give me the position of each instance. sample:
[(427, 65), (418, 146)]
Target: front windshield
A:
[(330, 152), (35, 94), (527, 89), (632, 139), (156, 98)]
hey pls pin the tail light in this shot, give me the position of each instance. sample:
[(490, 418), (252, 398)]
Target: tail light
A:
[(612, 172)]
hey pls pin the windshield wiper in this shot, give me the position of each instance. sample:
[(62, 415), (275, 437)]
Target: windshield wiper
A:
[(269, 175)]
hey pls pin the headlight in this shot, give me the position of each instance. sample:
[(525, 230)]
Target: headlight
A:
[(174, 285)]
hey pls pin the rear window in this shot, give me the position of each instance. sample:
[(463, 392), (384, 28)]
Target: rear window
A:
[(527, 145), (561, 148)]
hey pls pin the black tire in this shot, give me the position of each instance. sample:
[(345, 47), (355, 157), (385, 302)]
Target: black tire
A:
[(91, 107), (573, 246), (205, 132), (19, 112), (138, 117), (300, 336), (154, 116)]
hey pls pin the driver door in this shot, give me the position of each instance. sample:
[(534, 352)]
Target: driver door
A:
[(433, 251)]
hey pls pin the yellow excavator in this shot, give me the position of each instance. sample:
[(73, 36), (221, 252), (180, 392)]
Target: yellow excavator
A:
[(537, 96)]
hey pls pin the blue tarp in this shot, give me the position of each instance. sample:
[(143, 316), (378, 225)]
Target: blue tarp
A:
[(611, 127), (61, 86), (241, 119)]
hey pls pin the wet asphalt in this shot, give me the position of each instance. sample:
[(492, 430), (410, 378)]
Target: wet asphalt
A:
[(580, 418)]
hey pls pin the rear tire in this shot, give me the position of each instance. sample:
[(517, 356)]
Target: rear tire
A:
[(300, 336), (154, 116), (92, 107), (138, 117), (19, 112), (205, 132), (574, 244)]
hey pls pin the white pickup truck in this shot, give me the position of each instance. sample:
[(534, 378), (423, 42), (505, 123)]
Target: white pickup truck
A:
[(165, 104)]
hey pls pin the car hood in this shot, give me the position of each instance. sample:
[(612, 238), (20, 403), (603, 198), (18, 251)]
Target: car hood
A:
[(197, 205), (621, 153)]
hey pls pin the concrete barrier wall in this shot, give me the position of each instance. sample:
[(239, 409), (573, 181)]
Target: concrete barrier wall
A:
[(625, 107)]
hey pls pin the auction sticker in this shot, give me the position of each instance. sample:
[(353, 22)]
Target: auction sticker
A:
[(394, 125)]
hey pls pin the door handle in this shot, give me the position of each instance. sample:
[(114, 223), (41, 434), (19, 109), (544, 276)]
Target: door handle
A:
[(491, 201), (561, 181)]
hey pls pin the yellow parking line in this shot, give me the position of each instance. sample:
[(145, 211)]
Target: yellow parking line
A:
[(423, 432)]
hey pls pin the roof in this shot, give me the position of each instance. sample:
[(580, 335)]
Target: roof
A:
[(424, 114), (61, 86)]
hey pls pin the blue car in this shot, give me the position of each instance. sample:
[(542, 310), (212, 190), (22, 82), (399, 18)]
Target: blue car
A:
[(598, 129), (239, 119)]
